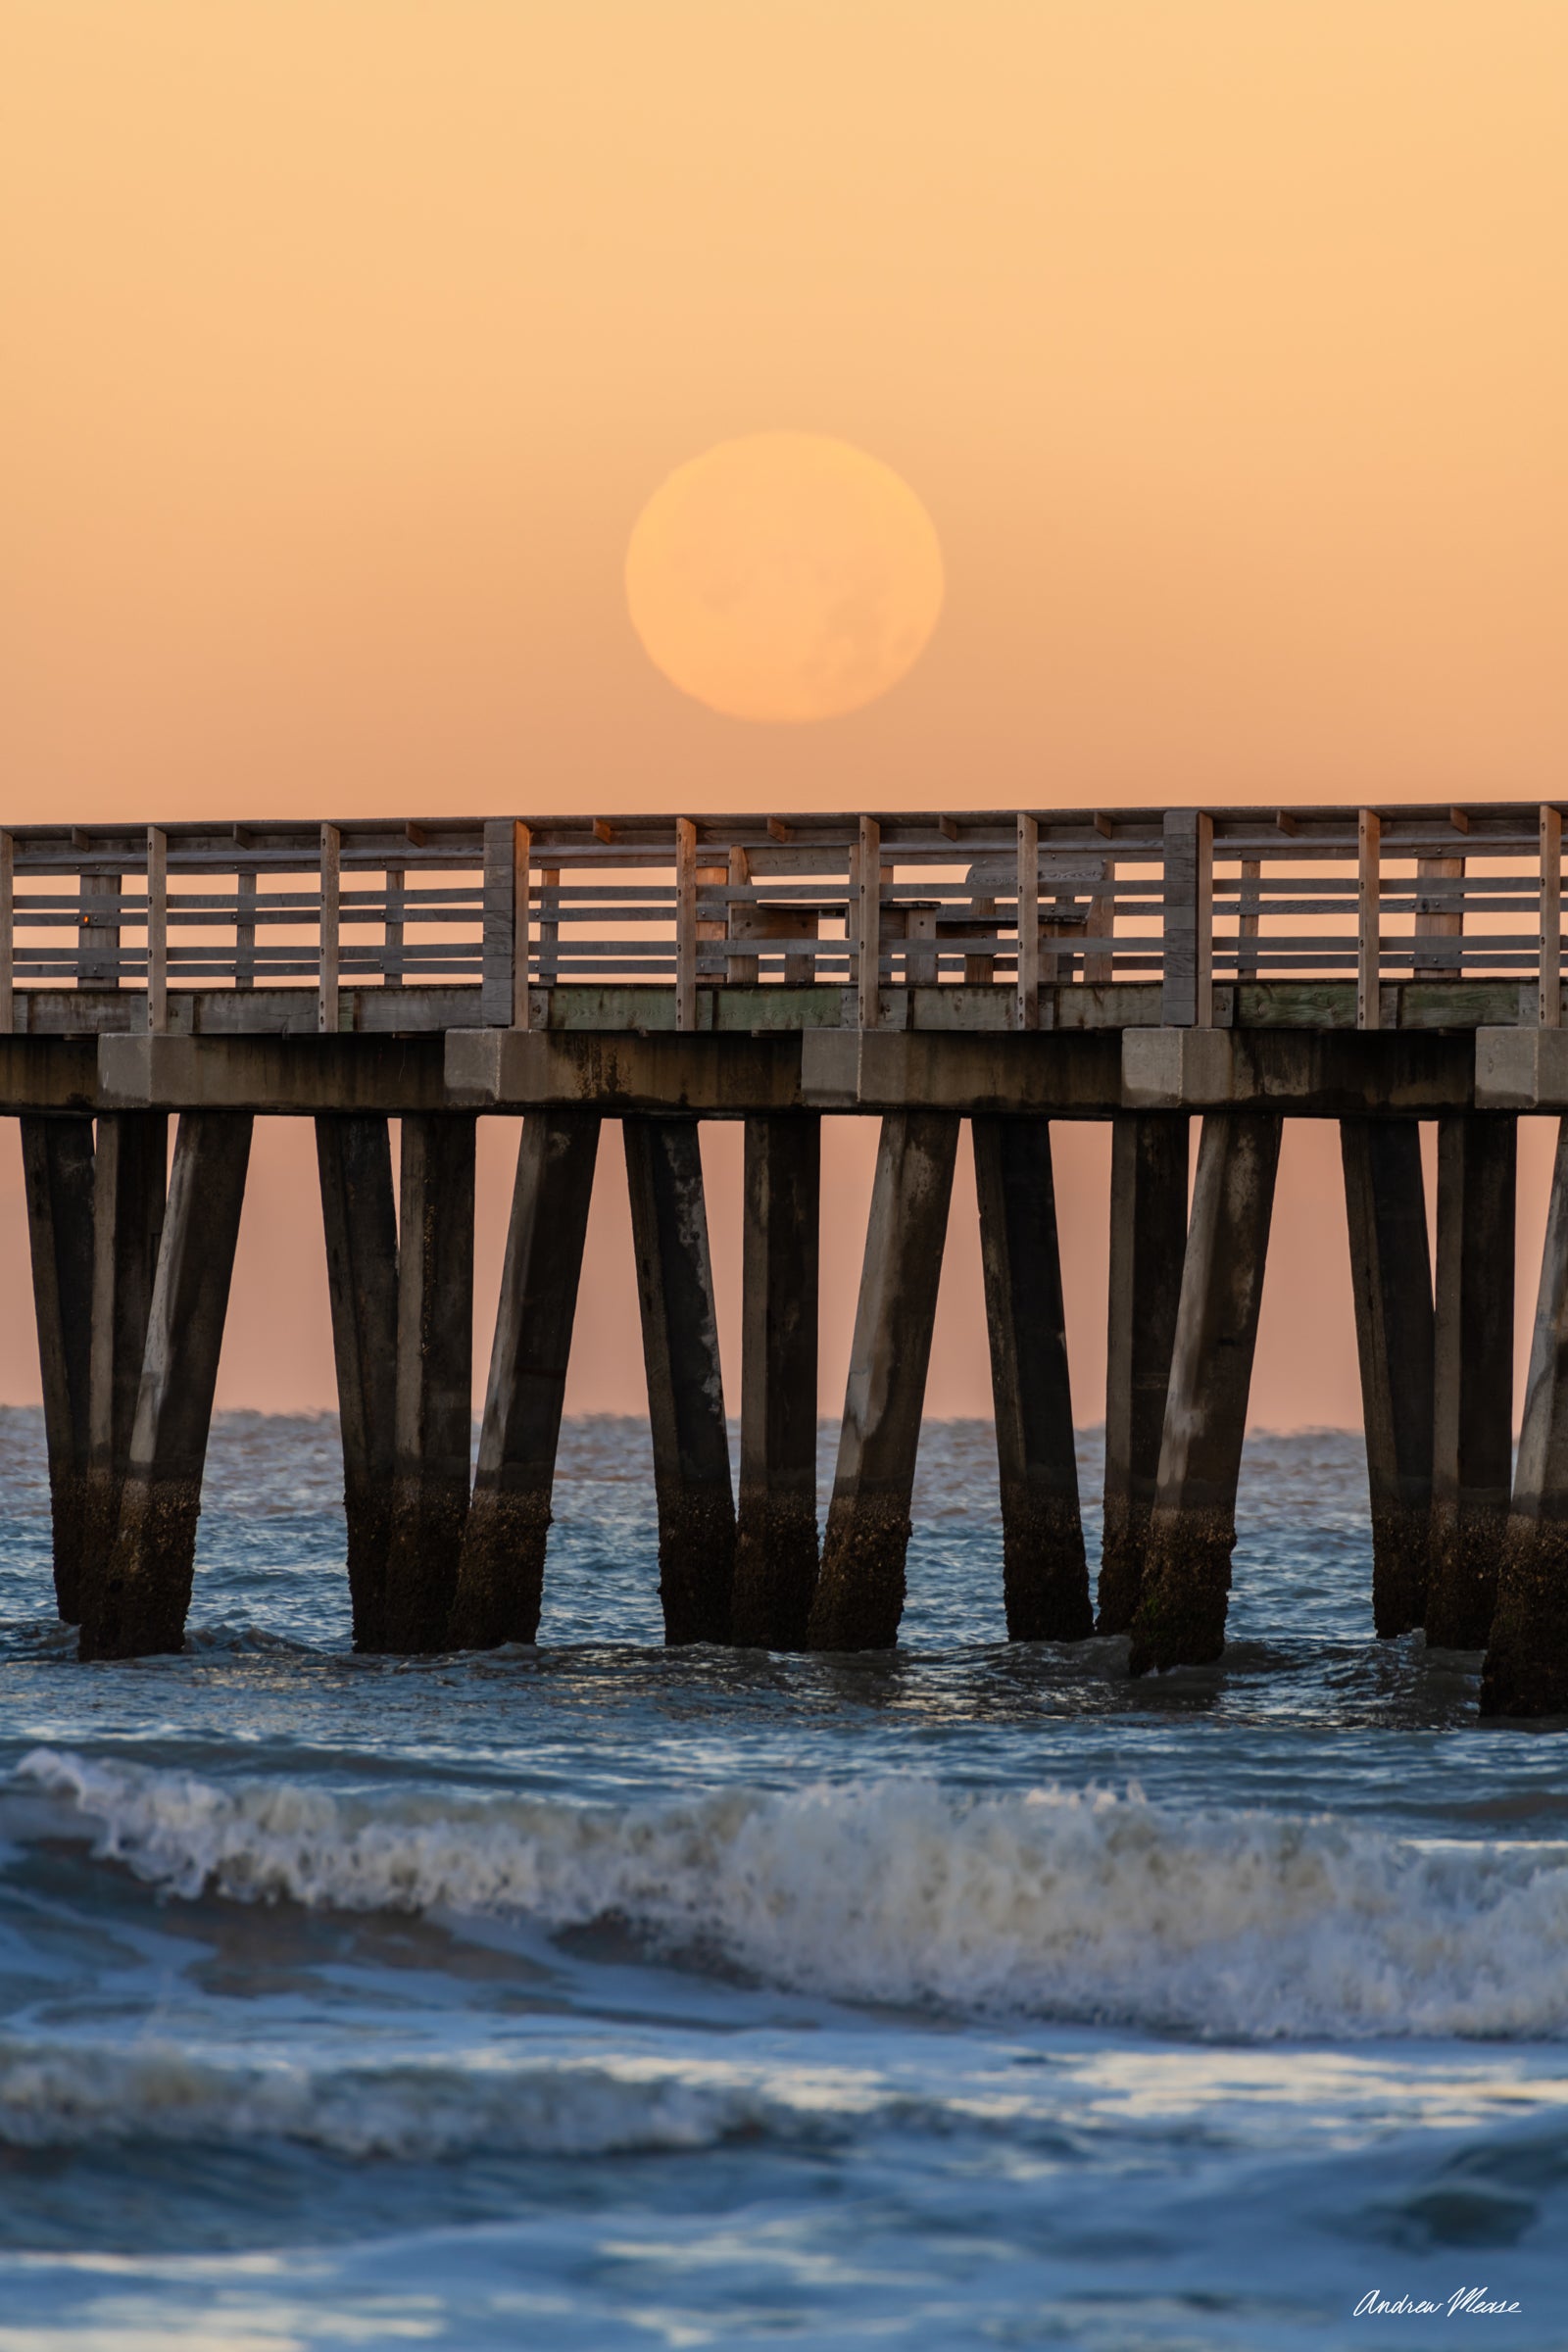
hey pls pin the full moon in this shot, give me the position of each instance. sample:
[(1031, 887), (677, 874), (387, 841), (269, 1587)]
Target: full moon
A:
[(784, 578)]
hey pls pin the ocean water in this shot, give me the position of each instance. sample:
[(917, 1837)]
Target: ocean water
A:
[(599, 1995)]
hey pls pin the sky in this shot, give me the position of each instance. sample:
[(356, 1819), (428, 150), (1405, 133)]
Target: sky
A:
[(345, 340)]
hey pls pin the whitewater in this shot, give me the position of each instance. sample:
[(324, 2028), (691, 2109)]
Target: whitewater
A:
[(600, 1996)]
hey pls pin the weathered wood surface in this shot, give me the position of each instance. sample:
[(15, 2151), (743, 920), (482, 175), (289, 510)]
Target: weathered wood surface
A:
[(501, 1572), (860, 1593), (138, 1607), (1391, 1282), (776, 1535), (359, 1218), (1180, 1619), (692, 1482), (434, 1412), (1526, 1671), (1148, 1182), (1472, 1455), (1045, 1576), (57, 1161), (130, 1178)]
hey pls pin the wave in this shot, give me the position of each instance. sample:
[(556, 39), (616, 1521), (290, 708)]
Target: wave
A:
[(1085, 1907), (58, 2095)]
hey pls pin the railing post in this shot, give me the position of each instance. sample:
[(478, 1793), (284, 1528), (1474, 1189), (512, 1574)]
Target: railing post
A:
[(685, 923), (326, 990), (1368, 919), (503, 987), (157, 931), (741, 971), (1548, 999), (869, 921), (549, 925), (245, 931), (392, 928), (1028, 897), (1249, 902), (1187, 999), (8, 935), (1436, 918)]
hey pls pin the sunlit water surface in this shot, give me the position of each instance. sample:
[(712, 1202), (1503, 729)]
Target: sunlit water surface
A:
[(599, 1995)]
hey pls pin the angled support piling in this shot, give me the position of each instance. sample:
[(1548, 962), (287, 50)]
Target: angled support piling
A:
[(138, 1609), (358, 1219), (685, 1387), (775, 1538), (1187, 1572), (501, 1572), (860, 1593), (1526, 1672), (130, 1178), (57, 1161), (434, 1412), (1149, 1167), (1391, 1278), (1044, 1575), (1471, 1454)]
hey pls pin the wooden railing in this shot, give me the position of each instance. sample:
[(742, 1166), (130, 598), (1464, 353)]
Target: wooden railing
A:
[(1022, 901)]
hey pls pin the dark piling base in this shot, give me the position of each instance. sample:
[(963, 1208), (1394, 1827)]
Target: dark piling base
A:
[(860, 1593), (1526, 1673), (369, 1517), (1402, 1548), (1187, 1584), (1044, 1577), (140, 1605), (696, 1564), (776, 1572), (71, 1519), (501, 1577), (424, 1551), (1123, 1548), (1462, 1585)]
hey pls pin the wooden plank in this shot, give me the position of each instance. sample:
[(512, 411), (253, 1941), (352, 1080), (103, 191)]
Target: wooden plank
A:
[(1548, 994), (392, 928), (326, 985), (868, 890), (98, 934), (521, 855), (740, 971), (1249, 905), (157, 931), (685, 924), (8, 961), (1100, 964), (1368, 919), (549, 925), (245, 930), (1188, 995), (1437, 918), (1027, 892)]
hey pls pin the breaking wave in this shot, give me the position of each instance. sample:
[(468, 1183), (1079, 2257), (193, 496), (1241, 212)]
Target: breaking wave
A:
[(1087, 1907)]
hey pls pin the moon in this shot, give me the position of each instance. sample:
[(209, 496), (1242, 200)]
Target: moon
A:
[(784, 578)]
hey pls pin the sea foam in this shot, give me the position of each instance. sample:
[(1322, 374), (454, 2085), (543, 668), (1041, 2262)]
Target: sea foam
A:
[(1052, 1903)]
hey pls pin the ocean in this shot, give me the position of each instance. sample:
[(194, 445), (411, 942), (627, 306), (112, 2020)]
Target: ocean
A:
[(602, 1995)]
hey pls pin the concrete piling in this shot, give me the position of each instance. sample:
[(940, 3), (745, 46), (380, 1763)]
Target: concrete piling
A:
[(57, 1159), (1526, 1671), (500, 1571), (1472, 1456), (1043, 1571), (1391, 1279), (1149, 1169), (130, 1178), (775, 1535), (138, 1607), (359, 1218), (433, 1406), (1187, 1574), (860, 1593), (692, 1482)]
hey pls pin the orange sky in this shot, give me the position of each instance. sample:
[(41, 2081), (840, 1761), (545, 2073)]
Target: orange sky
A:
[(1224, 341)]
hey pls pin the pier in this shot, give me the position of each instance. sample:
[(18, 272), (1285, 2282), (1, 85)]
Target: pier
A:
[(1000, 970)]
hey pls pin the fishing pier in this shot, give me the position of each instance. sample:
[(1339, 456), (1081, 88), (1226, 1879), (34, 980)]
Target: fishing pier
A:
[(1235, 965)]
